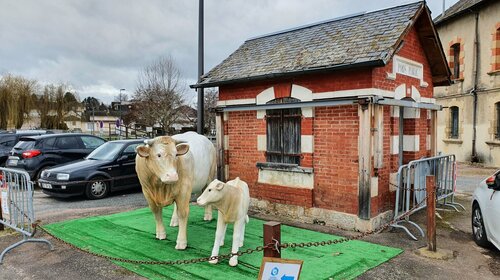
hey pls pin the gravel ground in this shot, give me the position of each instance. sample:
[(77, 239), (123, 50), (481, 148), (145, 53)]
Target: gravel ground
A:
[(34, 261)]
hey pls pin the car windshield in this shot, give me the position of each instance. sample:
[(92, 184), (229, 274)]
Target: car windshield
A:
[(106, 151)]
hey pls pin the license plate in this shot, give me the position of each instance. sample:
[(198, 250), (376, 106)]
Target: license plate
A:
[(12, 162), (46, 186)]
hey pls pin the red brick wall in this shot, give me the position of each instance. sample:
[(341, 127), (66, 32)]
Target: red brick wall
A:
[(335, 130), (412, 49)]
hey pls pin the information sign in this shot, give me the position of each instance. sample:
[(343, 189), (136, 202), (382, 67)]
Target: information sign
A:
[(280, 269)]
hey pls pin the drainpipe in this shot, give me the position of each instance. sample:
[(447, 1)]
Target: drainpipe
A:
[(474, 156)]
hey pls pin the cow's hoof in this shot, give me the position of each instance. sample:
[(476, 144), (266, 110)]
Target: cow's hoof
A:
[(233, 261), (181, 246), (174, 223), (213, 261), (161, 235), (207, 217)]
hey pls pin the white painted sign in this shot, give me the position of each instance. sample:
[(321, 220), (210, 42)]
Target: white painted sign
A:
[(407, 67), (149, 129), (280, 269)]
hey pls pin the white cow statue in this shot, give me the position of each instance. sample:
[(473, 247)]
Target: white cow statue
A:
[(169, 170), (232, 200)]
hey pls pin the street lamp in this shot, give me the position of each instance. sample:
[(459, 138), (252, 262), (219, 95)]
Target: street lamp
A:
[(120, 121)]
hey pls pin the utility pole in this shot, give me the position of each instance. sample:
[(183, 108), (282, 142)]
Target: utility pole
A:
[(200, 114), (120, 97)]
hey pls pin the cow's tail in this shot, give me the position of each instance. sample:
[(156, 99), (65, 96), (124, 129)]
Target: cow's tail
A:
[(247, 219)]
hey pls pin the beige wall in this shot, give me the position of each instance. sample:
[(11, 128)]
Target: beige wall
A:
[(458, 94)]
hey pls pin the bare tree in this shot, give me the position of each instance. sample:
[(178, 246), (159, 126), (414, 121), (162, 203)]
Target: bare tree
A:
[(16, 100), (54, 104), (159, 93), (211, 96)]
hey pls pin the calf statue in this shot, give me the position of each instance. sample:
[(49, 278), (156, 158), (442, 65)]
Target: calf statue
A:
[(232, 200), (169, 170)]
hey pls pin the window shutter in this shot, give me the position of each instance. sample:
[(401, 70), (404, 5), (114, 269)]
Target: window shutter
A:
[(274, 136), (291, 136)]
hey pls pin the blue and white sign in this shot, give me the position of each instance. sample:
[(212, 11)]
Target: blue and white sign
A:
[(280, 269)]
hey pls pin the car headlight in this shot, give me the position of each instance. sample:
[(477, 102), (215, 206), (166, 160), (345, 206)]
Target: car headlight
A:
[(63, 177), (44, 174)]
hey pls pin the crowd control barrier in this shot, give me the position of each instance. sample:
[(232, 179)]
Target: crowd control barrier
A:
[(411, 190), (17, 213)]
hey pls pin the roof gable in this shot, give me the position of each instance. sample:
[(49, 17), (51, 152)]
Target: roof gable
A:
[(366, 39), (457, 9)]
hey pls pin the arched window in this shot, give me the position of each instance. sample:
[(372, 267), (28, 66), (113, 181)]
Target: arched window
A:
[(454, 118), (497, 116), (455, 63), (283, 133)]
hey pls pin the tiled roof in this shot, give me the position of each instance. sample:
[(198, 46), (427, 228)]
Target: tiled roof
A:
[(456, 9), (359, 39)]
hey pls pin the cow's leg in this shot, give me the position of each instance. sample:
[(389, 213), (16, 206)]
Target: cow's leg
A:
[(174, 221), (219, 236), (182, 213), (233, 261), (208, 213), (160, 228)]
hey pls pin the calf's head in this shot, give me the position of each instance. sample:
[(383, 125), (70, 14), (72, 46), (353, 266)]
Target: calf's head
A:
[(212, 193), (161, 155)]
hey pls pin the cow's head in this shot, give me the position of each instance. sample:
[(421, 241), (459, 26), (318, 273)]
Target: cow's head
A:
[(161, 154), (213, 193)]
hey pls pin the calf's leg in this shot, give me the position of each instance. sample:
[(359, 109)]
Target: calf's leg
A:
[(219, 236), (233, 261)]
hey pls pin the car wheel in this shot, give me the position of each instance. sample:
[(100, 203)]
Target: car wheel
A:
[(97, 188), (478, 230)]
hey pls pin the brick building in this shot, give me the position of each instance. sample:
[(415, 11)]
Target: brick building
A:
[(318, 118)]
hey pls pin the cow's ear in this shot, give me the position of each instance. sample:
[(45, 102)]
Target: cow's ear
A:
[(142, 151), (182, 149), (220, 186)]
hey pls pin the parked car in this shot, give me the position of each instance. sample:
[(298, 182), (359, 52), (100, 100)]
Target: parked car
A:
[(9, 139), (110, 167), (486, 212), (37, 153)]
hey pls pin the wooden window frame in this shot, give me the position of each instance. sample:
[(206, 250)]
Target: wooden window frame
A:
[(283, 133)]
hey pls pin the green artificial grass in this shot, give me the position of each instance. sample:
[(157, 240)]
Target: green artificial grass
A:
[(131, 235)]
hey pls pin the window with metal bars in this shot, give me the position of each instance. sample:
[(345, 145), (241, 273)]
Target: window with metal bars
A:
[(283, 133), (454, 122)]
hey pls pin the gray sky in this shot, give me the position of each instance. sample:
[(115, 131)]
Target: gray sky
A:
[(98, 46)]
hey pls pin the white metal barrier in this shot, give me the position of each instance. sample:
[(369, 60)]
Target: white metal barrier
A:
[(411, 190), (16, 211)]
